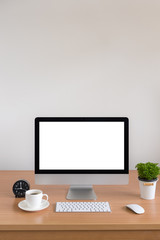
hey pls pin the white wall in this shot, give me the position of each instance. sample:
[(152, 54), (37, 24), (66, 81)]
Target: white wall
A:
[(78, 58)]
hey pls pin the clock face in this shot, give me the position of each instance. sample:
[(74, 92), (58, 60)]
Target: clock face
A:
[(20, 187)]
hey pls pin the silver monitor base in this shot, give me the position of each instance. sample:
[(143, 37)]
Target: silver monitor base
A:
[(81, 192)]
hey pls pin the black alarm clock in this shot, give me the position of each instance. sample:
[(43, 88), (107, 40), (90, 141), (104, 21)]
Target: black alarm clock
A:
[(20, 187)]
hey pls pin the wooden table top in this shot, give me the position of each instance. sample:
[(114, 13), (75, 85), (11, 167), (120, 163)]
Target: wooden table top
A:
[(121, 218)]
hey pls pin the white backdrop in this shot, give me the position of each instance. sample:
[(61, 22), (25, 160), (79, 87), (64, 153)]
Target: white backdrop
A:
[(78, 58)]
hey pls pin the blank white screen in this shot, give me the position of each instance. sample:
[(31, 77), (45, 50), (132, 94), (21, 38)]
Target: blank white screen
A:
[(81, 145)]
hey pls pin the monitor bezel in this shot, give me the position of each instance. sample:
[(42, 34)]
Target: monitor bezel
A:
[(82, 119)]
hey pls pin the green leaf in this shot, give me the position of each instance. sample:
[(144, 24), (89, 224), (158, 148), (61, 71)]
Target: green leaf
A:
[(148, 170)]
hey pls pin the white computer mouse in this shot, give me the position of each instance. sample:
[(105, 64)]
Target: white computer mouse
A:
[(136, 208)]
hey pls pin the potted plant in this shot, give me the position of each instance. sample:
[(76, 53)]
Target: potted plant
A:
[(148, 177)]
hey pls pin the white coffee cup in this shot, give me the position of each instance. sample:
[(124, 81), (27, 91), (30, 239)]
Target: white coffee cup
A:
[(34, 198)]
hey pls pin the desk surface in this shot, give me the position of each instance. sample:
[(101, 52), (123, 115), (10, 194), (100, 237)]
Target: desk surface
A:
[(13, 218)]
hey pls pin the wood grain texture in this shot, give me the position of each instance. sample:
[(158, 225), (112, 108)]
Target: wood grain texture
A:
[(79, 235), (120, 220)]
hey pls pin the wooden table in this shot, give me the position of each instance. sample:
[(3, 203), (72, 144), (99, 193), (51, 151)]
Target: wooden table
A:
[(47, 224)]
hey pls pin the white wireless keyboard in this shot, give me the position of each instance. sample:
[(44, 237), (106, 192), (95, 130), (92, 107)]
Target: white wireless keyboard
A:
[(83, 207)]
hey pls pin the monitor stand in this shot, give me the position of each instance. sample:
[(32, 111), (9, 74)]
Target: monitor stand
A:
[(81, 192)]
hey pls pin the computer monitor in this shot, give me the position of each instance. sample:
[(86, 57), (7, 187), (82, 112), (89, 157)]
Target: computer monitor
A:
[(81, 151)]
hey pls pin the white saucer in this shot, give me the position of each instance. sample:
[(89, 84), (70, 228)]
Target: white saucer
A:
[(23, 205)]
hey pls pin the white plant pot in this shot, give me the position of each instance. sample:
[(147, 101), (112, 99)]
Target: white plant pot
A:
[(147, 189)]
